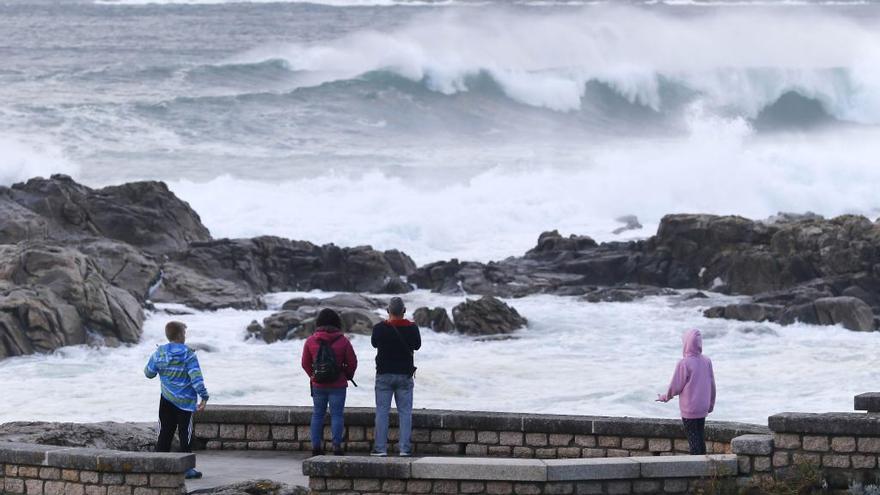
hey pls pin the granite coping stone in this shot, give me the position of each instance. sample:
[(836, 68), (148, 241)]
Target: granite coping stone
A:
[(867, 402), (479, 468), (593, 469), (835, 423), (94, 459), (357, 467), (752, 445), (483, 421), (508, 469), (688, 466)]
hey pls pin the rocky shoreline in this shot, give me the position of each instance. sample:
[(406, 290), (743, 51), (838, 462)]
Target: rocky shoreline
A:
[(80, 265)]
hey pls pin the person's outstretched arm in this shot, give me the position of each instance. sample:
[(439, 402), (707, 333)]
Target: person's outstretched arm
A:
[(198, 381), (150, 371), (676, 385)]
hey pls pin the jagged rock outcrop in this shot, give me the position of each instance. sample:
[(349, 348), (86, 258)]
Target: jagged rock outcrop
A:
[(255, 487), (789, 261), (131, 437), (238, 271), (50, 296), (849, 312), (486, 316), (298, 316), (437, 319), (144, 214)]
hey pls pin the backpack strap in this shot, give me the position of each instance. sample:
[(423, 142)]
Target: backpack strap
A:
[(402, 340)]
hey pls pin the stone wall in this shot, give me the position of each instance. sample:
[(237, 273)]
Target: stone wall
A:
[(846, 446), (463, 433), (50, 470), (644, 475)]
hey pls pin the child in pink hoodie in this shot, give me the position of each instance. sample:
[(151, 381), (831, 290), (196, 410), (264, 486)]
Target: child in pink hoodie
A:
[(694, 383)]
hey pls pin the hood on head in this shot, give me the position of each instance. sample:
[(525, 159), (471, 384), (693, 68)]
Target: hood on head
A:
[(693, 343), (176, 349), (330, 334)]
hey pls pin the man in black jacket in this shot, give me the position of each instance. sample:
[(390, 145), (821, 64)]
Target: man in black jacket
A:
[(396, 340)]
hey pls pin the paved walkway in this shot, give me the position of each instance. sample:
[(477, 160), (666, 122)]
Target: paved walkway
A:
[(231, 466)]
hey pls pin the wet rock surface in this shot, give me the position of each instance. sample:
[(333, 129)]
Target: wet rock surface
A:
[(132, 437), (486, 316)]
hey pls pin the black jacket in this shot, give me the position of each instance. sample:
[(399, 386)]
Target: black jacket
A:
[(395, 357)]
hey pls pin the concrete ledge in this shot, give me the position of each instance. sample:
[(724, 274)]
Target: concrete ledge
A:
[(638, 427), (24, 453), (279, 415), (523, 470), (479, 420), (867, 402), (688, 466), (826, 423), (145, 462), (593, 469), (358, 467), (479, 468), (752, 445), (574, 425), (94, 459)]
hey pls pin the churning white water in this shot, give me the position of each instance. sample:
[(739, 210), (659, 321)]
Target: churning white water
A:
[(457, 129), (574, 358)]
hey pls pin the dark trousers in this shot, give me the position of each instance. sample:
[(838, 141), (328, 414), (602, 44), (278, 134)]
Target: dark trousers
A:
[(173, 419), (694, 428)]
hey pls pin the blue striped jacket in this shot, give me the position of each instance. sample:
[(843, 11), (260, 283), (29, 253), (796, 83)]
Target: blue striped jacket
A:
[(180, 374)]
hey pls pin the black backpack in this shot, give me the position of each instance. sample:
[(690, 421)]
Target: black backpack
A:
[(325, 367)]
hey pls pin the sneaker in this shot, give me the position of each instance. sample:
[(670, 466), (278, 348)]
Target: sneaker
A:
[(338, 451), (406, 454), (376, 453), (192, 474)]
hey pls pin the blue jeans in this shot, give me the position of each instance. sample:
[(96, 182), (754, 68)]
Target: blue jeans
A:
[(336, 398), (401, 388)]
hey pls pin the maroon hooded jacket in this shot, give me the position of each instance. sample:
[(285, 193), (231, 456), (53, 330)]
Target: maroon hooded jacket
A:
[(341, 347)]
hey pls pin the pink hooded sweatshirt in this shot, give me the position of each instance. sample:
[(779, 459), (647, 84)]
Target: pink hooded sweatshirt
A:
[(693, 380)]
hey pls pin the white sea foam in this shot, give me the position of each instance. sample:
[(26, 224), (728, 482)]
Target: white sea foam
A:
[(720, 168), (610, 358), (546, 60), (23, 157)]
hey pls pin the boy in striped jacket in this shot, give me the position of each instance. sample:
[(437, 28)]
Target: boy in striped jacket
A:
[(182, 384)]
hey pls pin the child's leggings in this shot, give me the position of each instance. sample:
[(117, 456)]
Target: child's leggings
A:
[(693, 428)]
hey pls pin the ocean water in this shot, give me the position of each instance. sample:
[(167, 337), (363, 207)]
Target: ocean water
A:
[(461, 129)]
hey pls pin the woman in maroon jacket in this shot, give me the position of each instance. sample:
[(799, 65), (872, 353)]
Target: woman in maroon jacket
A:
[(327, 388)]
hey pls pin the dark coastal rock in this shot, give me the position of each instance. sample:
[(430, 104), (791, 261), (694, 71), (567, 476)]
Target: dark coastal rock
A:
[(131, 437), (787, 262), (745, 312), (437, 319), (625, 293), (180, 284), (298, 316), (486, 316), (339, 301), (123, 266), (850, 312), (144, 214), (271, 264), (50, 296), (254, 487)]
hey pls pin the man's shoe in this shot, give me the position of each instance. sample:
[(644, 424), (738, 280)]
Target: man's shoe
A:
[(192, 474), (317, 452), (406, 454), (376, 453)]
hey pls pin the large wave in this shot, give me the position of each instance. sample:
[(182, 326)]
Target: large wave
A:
[(26, 157), (549, 60)]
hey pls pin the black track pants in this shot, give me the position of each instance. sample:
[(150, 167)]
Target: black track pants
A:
[(173, 419), (693, 428)]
